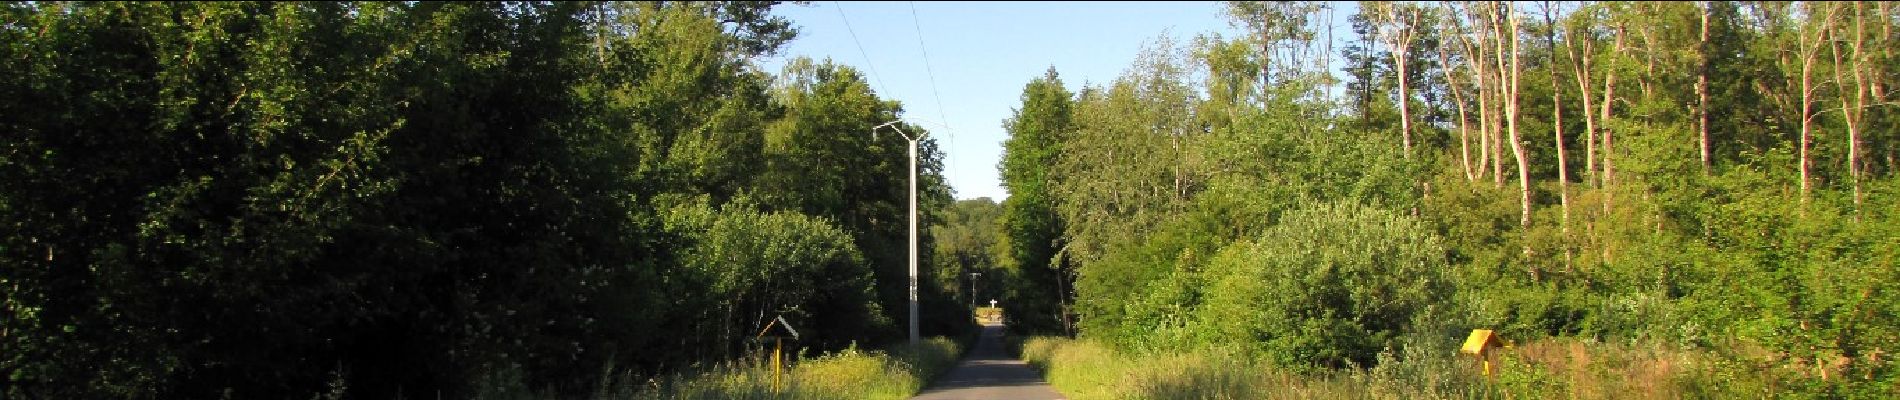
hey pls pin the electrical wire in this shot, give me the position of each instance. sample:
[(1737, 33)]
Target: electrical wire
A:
[(933, 81), (867, 55)]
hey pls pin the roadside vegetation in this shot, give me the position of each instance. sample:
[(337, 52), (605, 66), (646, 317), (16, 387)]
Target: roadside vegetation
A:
[(1548, 369), (444, 200), (851, 373), (1651, 199), (846, 374)]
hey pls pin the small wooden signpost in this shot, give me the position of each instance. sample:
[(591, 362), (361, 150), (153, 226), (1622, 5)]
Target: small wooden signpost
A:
[(778, 347), (1479, 345)]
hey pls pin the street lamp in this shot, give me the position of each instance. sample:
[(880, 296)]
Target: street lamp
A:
[(913, 221), (973, 276)]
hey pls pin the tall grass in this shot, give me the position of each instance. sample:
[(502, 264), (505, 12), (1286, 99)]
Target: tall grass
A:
[(849, 374), (1550, 369)]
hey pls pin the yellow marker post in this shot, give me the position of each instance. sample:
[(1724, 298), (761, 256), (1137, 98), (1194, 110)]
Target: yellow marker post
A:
[(778, 346), (1479, 345)]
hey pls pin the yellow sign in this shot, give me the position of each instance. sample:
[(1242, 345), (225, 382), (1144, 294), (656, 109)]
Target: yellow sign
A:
[(1478, 345), (1479, 341)]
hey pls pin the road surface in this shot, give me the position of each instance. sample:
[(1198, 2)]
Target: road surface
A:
[(988, 372)]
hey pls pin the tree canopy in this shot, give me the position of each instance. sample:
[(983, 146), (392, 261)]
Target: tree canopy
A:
[(430, 199)]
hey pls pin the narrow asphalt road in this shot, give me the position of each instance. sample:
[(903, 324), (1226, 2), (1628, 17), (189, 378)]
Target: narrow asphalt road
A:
[(988, 372)]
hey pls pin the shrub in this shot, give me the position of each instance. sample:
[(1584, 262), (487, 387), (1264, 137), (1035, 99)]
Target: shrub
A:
[(1329, 286)]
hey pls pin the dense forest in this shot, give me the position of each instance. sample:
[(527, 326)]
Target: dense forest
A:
[(1716, 177), (433, 199)]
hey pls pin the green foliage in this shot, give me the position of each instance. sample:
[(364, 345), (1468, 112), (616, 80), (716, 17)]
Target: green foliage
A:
[(1030, 223), (970, 241), (1234, 196), (1327, 286), (821, 159), (426, 199), (1085, 369), (754, 266)]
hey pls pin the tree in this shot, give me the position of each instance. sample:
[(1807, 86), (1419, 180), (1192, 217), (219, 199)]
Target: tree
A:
[(756, 266), (1503, 17), (1702, 87), (970, 239), (822, 160), (1398, 24), (1280, 29), (1809, 36), (1557, 126), (1853, 93), (399, 200), (1031, 224)]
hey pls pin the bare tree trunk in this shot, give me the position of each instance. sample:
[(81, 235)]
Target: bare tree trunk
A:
[(1580, 63), (1405, 114), (1852, 105), (1810, 47), (1401, 46), (1648, 34), (1876, 71), (1266, 58), (1510, 92), (1557, 133), (1457, 96), (1497, 131), (1487, 159), (1499, 99), (1180, 177), (1609, 145), (1702, 88), (1062, 289), (1609, 96)]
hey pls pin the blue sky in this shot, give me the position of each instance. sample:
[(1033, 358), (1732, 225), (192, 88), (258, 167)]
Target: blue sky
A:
[(981, 54)]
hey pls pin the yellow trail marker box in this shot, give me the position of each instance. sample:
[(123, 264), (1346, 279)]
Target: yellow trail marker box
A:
[(1479, 341)]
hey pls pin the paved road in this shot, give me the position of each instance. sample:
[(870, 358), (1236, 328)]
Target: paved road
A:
[(988, 372)]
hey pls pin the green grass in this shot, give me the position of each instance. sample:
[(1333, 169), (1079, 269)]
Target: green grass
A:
[(1086, 370), (1549, 369), (848, 374)]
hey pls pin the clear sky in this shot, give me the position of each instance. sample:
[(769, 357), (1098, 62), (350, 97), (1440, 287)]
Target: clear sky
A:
[(981, 54)]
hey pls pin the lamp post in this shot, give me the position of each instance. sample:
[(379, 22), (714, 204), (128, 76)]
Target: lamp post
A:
[(973, 276), (913, 221)]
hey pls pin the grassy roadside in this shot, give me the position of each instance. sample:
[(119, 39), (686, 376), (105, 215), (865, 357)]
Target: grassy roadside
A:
[(849, 374), (1556, 368)]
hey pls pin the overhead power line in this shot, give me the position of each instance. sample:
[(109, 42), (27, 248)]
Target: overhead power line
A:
[(867, 55), (928, 71)]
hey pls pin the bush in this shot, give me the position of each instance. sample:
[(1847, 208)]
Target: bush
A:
[(1329, 286)]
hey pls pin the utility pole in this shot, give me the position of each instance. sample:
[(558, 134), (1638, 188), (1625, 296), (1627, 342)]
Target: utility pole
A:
[(913, 221)]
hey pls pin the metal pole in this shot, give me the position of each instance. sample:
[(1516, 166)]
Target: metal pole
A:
[(913, 238), (913, 222)]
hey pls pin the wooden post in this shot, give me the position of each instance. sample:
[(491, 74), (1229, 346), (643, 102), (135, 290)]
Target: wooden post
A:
[(778, 346)]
